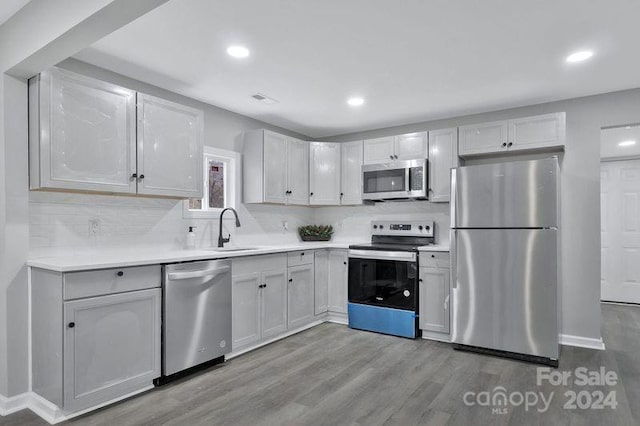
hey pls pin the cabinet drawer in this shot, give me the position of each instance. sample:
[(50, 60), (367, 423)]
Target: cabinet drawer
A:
[(250, 264), (302, 257), (434, 259), (108, 281)]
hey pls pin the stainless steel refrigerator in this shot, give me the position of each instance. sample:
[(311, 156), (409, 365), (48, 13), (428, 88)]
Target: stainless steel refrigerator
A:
[(504, 271)]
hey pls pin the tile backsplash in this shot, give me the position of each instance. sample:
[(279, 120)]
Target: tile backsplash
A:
[(62, 222)]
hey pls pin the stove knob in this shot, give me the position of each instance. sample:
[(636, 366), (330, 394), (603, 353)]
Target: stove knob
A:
[(427, 227), (420, 227), (381, 226), (375, 226)]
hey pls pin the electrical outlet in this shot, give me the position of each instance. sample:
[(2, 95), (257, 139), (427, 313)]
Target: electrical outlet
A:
[(94, 227)]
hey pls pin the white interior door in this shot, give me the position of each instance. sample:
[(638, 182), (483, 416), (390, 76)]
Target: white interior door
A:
[(620, 219)]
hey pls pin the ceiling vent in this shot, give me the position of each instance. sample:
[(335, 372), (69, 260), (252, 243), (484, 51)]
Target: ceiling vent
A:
[(264, 99)]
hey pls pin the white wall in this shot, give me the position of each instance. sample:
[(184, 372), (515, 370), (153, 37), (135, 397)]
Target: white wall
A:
[(580, 215)]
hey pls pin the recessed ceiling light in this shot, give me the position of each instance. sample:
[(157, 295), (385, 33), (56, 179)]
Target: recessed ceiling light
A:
[(238, 51), (627, 143), (580, 56), (356, 101)]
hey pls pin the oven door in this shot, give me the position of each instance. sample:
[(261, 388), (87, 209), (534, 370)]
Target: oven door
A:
[(399, 179), (383, 279)]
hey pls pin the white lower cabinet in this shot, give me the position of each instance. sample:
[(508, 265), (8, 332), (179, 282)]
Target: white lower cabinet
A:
[(338, 275), (300, 300), (321, 284), (434, 301), (111, 346), (259, 299), (95, 334)]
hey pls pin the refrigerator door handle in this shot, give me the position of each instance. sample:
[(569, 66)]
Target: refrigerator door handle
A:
[(452, 199), (454, 258)]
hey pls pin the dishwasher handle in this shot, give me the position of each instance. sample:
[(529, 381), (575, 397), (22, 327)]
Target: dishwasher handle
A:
[(173, 276)]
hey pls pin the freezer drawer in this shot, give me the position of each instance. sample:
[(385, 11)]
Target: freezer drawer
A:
[(197, 314), (518, 194), (504, 290)]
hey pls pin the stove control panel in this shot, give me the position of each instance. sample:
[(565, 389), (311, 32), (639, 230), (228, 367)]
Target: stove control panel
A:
[(423, 228)]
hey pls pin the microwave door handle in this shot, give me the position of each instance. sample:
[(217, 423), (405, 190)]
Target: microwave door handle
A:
[(407, 181)]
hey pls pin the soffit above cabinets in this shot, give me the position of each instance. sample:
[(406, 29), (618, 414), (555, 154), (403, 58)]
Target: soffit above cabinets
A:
[(411, 61)]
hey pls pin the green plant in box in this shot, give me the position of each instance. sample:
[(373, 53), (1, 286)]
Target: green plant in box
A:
[(315, 232)]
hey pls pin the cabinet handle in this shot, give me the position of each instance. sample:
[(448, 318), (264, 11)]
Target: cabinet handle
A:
[(395, 156), (290, 280), (504, 144), (391, 156), (341, 194), (302, 254), (419, 279), (433, 255), (72, 324), (120, 273), (344, 263), (311, 194), (141, 176), (509, 144), (133, 176)]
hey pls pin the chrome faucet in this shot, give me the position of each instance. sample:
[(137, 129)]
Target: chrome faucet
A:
[(221, 239)]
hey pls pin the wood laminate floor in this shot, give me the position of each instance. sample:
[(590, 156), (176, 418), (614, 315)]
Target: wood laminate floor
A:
[(332, 375)]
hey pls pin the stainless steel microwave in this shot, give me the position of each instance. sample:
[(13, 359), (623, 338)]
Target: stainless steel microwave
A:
[(395, 180)]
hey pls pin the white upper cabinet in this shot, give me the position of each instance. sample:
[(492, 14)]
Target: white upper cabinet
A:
[(351, 173), (537, 132), (410, 146), (483, 138), (297, 172), (170, 148), (522, 134), (443, 155), (324, 172), (82, 133), (88, 135), (380, 150), (276, 169)]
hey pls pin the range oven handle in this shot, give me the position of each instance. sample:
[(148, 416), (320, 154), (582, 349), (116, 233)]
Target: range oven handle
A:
[(401, 256)]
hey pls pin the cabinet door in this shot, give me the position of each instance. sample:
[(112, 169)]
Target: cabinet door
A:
[(378, 150), (321, 281), (170, 148), (245, 304), (300, 302), (298, 172), (410, 146), (351, 173), (111, 346), (324, 182), (338, 264), (274, 303), (442, 157), (434, 299), (483, 138), (87, 133), (541, 131), (275, 168)]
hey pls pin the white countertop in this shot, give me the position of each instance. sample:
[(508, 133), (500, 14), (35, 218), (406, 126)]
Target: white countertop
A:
[(122, 257)]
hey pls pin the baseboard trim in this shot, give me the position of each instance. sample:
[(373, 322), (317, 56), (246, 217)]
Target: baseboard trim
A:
[(582, 342), (337, 318), (9, 405)]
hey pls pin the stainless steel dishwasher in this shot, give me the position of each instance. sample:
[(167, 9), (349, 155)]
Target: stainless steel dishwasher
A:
[(196, 328)]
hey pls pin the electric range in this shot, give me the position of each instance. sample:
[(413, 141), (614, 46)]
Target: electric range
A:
[(383, 277)]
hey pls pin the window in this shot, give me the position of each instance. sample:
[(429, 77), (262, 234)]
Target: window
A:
[(221, 179)]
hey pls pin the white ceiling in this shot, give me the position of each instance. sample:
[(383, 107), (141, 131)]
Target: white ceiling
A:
[(8, 8), (412, 60)]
